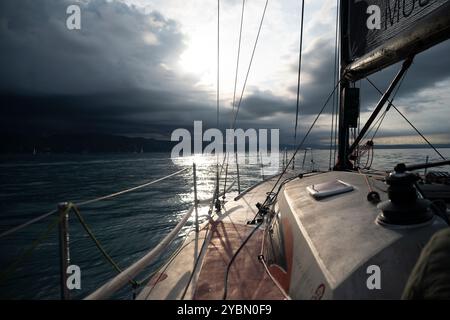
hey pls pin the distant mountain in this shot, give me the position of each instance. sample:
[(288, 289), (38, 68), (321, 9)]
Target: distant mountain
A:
[(377, 146), (411, 146), (102, 143), (81, 143)]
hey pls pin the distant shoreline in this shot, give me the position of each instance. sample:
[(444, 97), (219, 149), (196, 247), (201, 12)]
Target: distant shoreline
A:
[(90, 153), (96, 143)]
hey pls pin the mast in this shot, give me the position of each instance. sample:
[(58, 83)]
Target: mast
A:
[(343, 132), (404, 30)]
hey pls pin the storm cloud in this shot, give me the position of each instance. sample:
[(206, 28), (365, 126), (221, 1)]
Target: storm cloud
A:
[(113, 75), (119, 74)]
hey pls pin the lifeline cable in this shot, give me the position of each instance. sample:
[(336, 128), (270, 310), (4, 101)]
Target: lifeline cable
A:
[(409, 122)]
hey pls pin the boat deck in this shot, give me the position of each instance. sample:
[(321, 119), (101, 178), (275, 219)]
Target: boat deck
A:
[(198, 269), (335, 261), (324, 263), (247, 279)]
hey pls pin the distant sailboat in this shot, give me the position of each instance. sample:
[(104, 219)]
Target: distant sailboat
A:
[(34, 151)]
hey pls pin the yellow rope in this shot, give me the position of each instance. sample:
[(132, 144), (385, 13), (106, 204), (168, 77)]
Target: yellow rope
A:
[(99, 246)]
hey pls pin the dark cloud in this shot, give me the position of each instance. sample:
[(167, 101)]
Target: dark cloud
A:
[(316, 85), (115, 76), (117, 48), (429, 68), (118, 112), (261, 104)]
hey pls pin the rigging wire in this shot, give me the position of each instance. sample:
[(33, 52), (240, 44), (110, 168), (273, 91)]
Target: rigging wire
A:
[(381, 119), (369, 146), (334, 115), (331, 135), (267, 200), (304, 138), (84, 203), (359, 127), (375, 124), (250, 65), (299, 70), (337, 95), (28, 251), (218, 90), (236, 76), (216, 192), (380, 123), (237, 61), (43, 236), (236, 111), (218, 61), (409, 122)]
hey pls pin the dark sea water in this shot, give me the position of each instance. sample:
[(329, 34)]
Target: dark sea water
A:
[(128, 226)]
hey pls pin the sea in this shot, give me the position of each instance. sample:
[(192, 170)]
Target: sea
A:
[(127, 226)]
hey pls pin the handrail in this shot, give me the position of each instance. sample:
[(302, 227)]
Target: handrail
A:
[(39, 218), (131, 189), (128, 275), (131, 272), (220, 195), (243, 193)]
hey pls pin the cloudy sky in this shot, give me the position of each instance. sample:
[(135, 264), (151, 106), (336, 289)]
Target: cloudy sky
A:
[(146, 67)]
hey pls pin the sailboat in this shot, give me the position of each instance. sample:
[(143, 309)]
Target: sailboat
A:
[(348, 233), (320, 235)]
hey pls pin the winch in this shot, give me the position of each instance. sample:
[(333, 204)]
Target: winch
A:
[(404, 206)]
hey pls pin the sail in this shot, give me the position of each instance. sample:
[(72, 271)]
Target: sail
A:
[(378, 33)]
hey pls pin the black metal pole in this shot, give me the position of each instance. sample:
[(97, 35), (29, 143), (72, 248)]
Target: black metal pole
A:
[(343, 163), (427, 165), (225, 183), (237, 171), (194, 169), (64, 249), (381, 104)]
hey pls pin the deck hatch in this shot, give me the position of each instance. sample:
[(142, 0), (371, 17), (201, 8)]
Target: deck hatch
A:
[(327, 189)]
